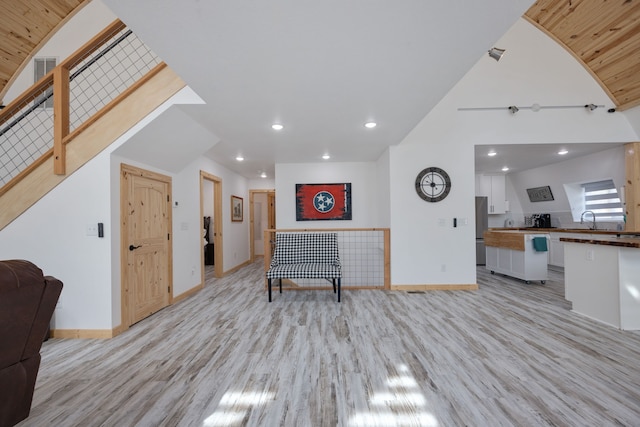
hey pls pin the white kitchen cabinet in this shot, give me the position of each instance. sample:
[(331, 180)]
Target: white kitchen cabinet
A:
[(556, 250), (494, 188), (556, 247), (527, 264)]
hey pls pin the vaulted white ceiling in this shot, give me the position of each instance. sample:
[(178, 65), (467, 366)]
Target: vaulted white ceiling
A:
[(320, 68)]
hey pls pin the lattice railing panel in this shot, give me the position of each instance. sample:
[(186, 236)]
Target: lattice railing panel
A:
[(362, 255), (26, 135), (97, 78), (104, 75)]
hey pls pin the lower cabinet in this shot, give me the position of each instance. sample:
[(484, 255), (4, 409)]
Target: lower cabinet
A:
[(526, 265), (556, 250)]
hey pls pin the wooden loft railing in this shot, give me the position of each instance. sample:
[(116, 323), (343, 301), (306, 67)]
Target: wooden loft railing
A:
[(97, 119)]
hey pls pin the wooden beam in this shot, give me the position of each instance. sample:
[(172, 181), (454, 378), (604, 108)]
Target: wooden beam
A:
[(60, 118), (632, 186)]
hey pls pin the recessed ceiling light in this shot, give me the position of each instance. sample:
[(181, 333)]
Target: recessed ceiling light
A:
[(563, 152), (277, 126), (370, 125), (239, 158), (504, 169), (326, 156), (263, 175), (492, 153)]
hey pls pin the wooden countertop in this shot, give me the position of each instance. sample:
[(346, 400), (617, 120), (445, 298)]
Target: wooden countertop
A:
[(570, 230), (508, 238), (626, 242)]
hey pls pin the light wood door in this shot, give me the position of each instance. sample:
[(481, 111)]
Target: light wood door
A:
[(271, 201), (146, 243)]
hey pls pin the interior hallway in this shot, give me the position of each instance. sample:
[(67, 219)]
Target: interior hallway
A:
[(507, 354)]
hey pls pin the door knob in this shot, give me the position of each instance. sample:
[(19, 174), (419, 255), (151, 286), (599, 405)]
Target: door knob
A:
[(132, 248)]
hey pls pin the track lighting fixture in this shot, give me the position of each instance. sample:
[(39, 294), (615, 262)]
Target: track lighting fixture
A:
[(537, 107), (496, 53)]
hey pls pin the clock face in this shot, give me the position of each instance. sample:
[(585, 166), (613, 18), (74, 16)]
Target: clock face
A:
[(433, 184)]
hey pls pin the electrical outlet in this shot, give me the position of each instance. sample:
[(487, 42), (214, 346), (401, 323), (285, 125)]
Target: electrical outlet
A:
[(443, 267), (590, 255)]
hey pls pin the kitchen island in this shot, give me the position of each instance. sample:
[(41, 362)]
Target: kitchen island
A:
[(517, 253), (602, 279)]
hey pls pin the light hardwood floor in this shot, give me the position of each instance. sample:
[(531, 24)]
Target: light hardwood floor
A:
[(506, 354)]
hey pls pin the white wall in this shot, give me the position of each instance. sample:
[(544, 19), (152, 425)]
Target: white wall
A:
[(262, 184), (364, 201), (608, 164), (383, 191), (52, 235), (425, 247), (534, 69)]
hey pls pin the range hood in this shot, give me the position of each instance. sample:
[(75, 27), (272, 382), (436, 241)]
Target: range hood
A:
[(540, 194)]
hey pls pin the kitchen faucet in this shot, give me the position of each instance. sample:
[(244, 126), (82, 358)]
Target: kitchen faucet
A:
[(594, 219)]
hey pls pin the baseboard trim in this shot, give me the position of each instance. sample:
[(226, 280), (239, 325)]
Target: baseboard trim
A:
[(110, 333), (436, 287), (187, 293), (237, 267), (84, 333)]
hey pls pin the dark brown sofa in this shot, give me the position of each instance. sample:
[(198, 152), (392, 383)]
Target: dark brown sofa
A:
[(27, 301)]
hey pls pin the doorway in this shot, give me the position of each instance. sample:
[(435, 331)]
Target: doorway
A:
[(211, 218), (262, 216), (146, 250)]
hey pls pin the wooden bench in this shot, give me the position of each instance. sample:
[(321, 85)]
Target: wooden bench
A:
[(306, 256)]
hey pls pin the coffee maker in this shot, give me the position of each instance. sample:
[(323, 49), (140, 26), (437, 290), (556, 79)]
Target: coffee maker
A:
[(541, 220)]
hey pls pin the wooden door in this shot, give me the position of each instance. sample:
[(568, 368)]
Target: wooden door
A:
[(146, 244), (271, 201)]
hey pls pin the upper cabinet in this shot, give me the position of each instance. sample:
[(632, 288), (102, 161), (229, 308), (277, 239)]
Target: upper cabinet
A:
[(493, 187)]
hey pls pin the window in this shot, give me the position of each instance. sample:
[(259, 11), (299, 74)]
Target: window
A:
[(601, 197), (42, 66)]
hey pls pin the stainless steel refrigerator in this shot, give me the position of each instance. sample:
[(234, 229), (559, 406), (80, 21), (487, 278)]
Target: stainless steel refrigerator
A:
[(482, 223)]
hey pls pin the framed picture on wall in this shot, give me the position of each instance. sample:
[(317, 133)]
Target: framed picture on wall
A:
[(323, 202), (236, 209)]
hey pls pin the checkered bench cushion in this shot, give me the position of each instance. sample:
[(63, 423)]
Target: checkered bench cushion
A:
[(306, 248), (305, 271), (305, 256)]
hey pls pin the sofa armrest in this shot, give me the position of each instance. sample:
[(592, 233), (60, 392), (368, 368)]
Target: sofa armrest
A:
[(48, 301)]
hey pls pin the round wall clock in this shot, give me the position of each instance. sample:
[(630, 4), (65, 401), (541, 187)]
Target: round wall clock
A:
[(433, 184)]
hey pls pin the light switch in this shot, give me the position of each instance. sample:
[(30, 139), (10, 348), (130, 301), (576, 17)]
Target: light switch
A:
[(92, 229)]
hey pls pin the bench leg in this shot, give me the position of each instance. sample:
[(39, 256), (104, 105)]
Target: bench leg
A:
[(334, 285), (339, 289), (280, 285), (269, 280)]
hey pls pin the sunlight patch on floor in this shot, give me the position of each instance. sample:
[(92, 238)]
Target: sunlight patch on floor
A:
[(233, 407), (403, 405)]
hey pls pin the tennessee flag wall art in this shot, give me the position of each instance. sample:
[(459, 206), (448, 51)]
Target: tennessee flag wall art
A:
[(323, 202)]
